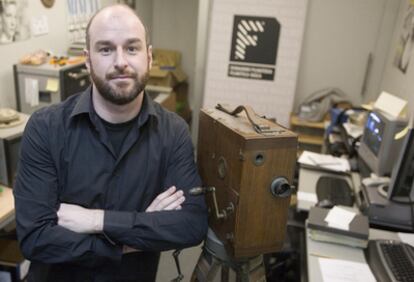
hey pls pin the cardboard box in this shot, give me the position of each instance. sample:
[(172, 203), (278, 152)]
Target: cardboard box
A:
[(166, 58), (166, 68), (169, 102), (164, 96), (13, 266)]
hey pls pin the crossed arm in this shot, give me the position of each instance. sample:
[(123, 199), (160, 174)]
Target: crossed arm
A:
[(89, 221)]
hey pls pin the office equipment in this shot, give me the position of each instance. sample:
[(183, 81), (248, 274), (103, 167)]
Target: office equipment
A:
[(382, 212), (248, 162), (320, 230), (379, 148), (393, 207), (401, 187), (390, 260), (39, 86), (308, 179), (334, 189), (10, 138)]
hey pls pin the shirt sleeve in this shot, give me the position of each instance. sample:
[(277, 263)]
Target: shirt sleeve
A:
[(163, 230), (36, 204)]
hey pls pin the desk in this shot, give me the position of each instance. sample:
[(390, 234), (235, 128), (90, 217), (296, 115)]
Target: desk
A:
[(6, 207), (315, 249)]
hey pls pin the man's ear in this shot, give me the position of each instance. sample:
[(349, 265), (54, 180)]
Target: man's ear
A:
[(149, 54), (87, 59)]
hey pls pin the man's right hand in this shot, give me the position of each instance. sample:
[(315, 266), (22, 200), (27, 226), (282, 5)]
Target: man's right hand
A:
[(171, 199)]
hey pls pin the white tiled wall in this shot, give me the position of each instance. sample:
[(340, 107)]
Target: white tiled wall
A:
[(270, 98)]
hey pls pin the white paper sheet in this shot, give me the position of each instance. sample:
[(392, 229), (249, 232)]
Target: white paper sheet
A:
[(391, 104), (324, 161), (353, 130), (340, 218), (336, 270), (306, 196), (31, 91), (407, 238)]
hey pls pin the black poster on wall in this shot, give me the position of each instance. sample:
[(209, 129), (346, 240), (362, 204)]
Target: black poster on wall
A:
[(254, 47)]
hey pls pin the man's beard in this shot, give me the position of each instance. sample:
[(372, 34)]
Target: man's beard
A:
[(118, 96)]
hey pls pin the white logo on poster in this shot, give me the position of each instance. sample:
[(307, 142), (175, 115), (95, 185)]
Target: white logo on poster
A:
[(244, 39)]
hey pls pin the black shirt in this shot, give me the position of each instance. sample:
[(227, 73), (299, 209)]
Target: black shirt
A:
[(67, 157), (117, 132)]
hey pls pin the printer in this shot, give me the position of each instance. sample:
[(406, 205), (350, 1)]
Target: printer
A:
[(43, 85)]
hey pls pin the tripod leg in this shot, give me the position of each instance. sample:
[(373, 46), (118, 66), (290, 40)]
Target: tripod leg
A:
[(252, 270), (206, 268), (177, 264)]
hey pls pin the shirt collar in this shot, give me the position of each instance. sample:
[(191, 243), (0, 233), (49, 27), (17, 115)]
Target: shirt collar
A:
[(84, 105)]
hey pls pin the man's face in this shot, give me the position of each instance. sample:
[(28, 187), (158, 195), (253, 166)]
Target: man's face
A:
[(9, 18), (118, 59)]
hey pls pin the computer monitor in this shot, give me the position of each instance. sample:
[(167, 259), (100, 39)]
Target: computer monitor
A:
[(401, 187), (10, 139), (379, 148), (9, 153)]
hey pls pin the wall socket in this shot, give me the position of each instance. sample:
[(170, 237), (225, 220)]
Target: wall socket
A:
[(39, 25)]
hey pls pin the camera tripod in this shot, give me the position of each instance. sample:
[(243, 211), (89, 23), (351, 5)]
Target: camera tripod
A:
[(214, 257)]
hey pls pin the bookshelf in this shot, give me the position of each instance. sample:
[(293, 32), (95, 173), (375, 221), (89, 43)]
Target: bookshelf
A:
[(311, 135)]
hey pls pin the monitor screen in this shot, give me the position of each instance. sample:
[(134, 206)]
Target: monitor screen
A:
[(402, 179), (12, 151), (373, 132)]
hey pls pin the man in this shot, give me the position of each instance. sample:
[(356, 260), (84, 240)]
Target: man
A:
[(95, 195), (9, 21)]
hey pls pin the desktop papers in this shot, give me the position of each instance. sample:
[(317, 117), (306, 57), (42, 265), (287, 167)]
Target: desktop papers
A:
[(407, 238), (339, 218), (353, 130), (31, 91), (390, 104), (324, 161), (336, 270), (306, 196)]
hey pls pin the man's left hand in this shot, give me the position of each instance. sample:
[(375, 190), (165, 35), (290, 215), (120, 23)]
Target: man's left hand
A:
[(80, 219)]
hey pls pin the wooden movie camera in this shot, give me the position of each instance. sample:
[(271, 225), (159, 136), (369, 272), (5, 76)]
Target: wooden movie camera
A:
[(246, 164)]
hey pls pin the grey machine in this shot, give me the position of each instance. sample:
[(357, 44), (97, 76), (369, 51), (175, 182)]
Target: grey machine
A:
[(10, 139), (47, 84), (392, 205)]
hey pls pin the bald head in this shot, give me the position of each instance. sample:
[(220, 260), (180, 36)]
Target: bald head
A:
[(113, 14)]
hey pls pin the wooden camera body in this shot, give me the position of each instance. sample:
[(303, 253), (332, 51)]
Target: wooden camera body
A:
[(250, 172)]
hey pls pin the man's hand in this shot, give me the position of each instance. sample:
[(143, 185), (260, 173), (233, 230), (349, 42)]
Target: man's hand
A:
[(80, 219), (171, 199)]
